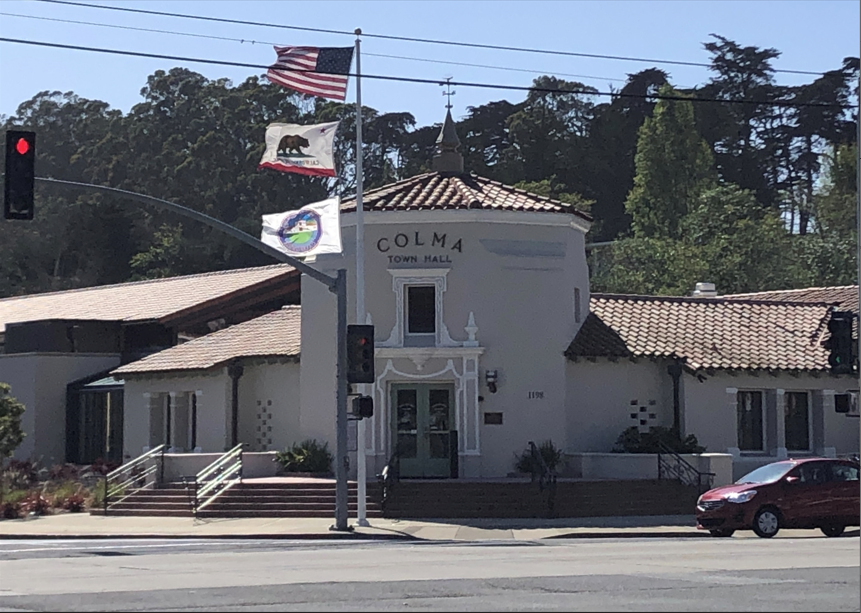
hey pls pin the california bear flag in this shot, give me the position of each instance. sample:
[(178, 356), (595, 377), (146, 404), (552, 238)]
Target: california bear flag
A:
[(306, 150)]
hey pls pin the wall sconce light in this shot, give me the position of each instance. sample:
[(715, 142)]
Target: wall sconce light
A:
[(490, 379)]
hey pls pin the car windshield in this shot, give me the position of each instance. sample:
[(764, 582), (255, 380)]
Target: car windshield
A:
[(767, 474)]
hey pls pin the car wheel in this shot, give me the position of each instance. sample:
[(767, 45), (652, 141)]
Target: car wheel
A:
[(722, 533), (832, 530), (766, 522)]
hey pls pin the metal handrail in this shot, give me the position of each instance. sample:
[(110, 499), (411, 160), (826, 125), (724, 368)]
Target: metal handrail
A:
[(682, 470), (547, 479), (547, 476), (217, 478), (388, 478), (133, 473)]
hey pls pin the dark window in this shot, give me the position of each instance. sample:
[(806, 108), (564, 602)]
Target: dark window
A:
[(846, 403), (493, 419), (797, 420), (750, 421), (843, 472), (421, 309), (812, 473)]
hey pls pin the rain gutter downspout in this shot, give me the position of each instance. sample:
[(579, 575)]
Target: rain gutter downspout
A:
[(234, 371), (675, 371)]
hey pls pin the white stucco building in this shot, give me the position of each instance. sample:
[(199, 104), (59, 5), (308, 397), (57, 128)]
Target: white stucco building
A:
[(486, 337)]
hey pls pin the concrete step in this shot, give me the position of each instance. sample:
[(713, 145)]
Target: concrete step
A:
[(147, 513)]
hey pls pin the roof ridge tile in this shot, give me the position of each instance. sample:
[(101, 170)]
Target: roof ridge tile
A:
[(145, 281)]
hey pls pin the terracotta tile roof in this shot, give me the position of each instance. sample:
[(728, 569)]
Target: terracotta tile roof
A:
[(707, 333), (154, 299), (275, 334), (845, 297), (444, 191)]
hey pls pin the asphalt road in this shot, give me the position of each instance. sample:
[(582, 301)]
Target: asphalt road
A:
[(648, 574)]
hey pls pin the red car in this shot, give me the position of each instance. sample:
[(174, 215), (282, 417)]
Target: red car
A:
[(802, 493)]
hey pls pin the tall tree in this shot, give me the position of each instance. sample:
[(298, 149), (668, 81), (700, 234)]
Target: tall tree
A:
[(11, 432), (743, 244), (836, 198), (815, 129), (548, 132), (736, 130), (674, 166), (727, 239), (612, 144), (65, 245), (486, 138)]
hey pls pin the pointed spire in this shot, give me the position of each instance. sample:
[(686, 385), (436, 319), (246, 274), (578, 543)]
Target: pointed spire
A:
[(448, 158)]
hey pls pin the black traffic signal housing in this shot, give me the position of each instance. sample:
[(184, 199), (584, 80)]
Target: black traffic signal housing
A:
[(841, 353), (360, 353), (363, 407), (20, 174)]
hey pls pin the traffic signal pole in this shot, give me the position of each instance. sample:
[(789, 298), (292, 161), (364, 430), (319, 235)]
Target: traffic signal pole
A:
[(858, 229), (336, 285)]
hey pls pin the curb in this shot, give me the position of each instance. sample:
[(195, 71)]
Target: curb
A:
[(232, 537), (630, 535), (344, 536)]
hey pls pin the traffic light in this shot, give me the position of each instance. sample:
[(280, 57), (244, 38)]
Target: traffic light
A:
[(20, 174), (363, 407), (839, 343), (360, 353)]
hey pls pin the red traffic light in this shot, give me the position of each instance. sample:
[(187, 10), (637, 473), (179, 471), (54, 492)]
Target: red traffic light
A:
[(22, 146), (20, 174), (360, 353)]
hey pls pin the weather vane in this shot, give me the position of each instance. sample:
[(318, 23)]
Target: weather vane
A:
[(449, 93)]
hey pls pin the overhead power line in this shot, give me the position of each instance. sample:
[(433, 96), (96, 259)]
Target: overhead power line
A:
[(407, 38), (261, 42), (545, 90)]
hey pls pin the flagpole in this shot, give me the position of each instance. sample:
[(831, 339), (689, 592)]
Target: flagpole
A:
[(361, 460)]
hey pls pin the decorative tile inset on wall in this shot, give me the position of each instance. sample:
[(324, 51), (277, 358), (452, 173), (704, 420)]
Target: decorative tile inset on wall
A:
[(263, 431), (641, 416)]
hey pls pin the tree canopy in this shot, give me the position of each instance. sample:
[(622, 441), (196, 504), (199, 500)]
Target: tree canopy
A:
[(752, 196)]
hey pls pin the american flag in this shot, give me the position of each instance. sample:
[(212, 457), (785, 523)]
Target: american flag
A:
[(319, 71)]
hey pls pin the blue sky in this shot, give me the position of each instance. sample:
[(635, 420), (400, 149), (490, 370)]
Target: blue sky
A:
[(812, 35)]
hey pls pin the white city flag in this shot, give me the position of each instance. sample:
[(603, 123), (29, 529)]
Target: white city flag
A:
[(306, 150), (311, 230)]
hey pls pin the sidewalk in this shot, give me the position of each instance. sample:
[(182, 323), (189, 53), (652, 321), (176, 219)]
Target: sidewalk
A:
[(83, 525)]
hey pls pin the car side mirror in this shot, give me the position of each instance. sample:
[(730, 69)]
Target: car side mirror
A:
[(792, 480)]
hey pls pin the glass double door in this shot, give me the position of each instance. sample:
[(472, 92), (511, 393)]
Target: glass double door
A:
[(422, 428)]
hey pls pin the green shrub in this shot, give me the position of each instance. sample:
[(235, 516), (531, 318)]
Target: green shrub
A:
[(96, 498), (74, 503), (547, 450), (62, 491), (35, 503), (27, 489), (13, 496), (631, 440), (308, 456), (19, 474), (10, 510)]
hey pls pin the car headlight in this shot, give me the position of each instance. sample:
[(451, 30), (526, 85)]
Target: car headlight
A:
[(739, 497)]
